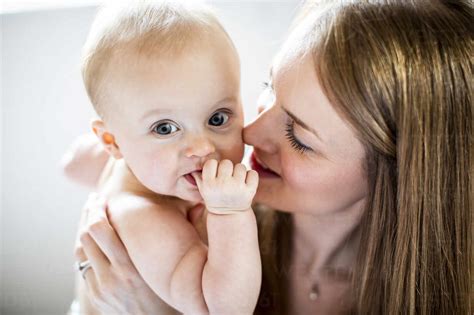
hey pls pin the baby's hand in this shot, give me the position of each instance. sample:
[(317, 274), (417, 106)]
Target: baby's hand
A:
[(226, 188)]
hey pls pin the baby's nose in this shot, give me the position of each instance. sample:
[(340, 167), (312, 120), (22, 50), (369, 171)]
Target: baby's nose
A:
[(199, 147)]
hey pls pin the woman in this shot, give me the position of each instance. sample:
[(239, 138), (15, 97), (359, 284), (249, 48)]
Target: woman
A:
[(365, 153)]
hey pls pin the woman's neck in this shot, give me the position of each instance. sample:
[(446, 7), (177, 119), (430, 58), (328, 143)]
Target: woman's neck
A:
[(326, 241)]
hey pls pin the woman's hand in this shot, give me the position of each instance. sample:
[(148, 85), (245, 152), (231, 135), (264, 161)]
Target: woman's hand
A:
[(113, 284)]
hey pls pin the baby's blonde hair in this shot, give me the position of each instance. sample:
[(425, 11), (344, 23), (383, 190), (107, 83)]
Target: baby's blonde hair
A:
[(145, 28)]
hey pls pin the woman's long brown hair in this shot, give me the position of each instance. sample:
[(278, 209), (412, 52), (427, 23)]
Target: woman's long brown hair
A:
[(401, 73)]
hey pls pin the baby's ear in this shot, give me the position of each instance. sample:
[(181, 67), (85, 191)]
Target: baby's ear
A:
[(106, 138)]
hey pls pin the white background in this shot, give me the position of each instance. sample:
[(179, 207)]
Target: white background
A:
[(44, 107)]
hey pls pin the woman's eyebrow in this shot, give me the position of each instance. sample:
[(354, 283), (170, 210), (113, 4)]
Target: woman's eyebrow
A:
[(302, 124)]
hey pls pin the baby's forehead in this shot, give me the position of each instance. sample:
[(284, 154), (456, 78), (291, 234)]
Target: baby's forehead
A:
[(196, 80), (133, 33), (154, 47)]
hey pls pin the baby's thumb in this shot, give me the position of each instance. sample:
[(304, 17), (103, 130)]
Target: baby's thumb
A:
[(198, 178)]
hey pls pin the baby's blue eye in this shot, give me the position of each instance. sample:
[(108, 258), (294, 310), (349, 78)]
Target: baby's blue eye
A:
[(165, 128), (218, 119)]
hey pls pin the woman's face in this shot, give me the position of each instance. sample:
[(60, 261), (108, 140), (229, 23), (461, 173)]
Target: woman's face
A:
[(308, 158)]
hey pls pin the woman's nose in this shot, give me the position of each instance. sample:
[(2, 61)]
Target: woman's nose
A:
[(199, 146), (261, 132)]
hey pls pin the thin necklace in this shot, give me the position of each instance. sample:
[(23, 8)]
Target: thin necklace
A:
[(314, 292), (335, 274)]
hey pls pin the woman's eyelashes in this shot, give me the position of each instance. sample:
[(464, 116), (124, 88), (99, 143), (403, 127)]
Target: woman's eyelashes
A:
[(295, 143), (266, 85)]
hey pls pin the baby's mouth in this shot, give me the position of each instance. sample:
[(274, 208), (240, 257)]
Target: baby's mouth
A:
[(190, 178)]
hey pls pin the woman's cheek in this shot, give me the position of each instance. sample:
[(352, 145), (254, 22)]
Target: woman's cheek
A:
[(312, 177), (296, 175)]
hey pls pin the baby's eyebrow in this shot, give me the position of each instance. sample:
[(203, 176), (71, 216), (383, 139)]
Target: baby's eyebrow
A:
[(156, 111), (225, 100)]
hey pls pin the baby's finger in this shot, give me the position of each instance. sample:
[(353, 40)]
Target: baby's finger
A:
[(240, 172), (209, 170), (225, 169), (198, 178), (252, 178)]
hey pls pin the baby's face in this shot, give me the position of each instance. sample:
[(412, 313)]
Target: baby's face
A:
[(172, 114)]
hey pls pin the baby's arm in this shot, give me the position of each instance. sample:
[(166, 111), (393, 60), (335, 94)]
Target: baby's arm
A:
[(165, 248), (84, 160), (174, 262), (232, 274)]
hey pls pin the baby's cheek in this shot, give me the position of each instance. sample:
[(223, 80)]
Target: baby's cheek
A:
[(162, 168), (232, 148), (154, 172)]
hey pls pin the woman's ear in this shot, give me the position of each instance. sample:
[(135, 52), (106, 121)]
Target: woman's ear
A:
[(106, 138)]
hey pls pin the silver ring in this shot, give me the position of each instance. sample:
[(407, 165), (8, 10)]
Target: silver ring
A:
[(82, 267)]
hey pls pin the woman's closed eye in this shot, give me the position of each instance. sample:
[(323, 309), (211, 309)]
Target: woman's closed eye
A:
[(165, 128), (294, 141)]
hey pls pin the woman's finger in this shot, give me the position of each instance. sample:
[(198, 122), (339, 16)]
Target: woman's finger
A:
[(79, 253), (83, 222), (105, 236), (93, 290), (99, 262)]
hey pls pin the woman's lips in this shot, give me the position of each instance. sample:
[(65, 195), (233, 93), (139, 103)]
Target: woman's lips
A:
[(260, 169)]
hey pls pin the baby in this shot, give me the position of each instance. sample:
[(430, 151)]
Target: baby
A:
[(164, 79)]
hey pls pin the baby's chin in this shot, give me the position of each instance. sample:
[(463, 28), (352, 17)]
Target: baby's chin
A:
[(191, 196)]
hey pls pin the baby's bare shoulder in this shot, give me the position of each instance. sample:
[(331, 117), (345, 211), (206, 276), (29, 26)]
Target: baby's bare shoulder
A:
[(135, 214), (127, 204)]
